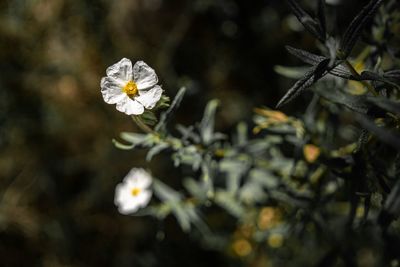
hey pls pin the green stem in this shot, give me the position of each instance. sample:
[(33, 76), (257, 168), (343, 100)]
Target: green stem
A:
[(175, 143), (357, 75), (142, 125)]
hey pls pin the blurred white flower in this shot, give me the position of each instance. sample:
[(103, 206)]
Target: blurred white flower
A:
[(134, 192), (132, 89)]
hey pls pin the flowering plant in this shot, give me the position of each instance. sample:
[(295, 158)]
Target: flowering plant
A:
[(284, 178)]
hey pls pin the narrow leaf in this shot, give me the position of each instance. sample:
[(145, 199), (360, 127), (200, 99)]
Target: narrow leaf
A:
[(165, 116), (234, 170), (148, 118), (195, 188), (122, 146), (355, 103), (393, 75), (188, 133), (207, 123), (312, 76), (382, 134), (308, 22), (134, 138), (372, 76), (241, 134), (314, 59), (356, 27), (230, 203), (291, 72), (165, 193), (332, 46), (305, 56), (155, 150), (181, 216)]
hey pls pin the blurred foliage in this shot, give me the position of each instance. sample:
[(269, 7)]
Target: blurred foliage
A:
[(59, 169)]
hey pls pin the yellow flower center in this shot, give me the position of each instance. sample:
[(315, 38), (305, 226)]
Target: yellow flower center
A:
[(135, 191), (130, 89)]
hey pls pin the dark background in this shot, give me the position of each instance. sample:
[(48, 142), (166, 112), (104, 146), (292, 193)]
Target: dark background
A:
[(58, 167)]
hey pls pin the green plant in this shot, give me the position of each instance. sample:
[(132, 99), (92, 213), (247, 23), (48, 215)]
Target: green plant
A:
[(326, 182)]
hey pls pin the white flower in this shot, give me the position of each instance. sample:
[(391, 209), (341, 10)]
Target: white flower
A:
[(132, 89), (133, 193)]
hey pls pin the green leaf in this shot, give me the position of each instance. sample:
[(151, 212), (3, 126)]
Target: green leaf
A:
[(372, 76), (148, 118), (207, 123), (241, 134), (196, 189), (164, 102), (353, 32), (392, 75), (313, 59), (384, 135), (264, 178), (251, 193), (133, 138), (188, 133), (353, 102), (305, 56), (164, 192), (257, 146), (312, 76), (184, 213), (189, 156), (234, 169), (166, 115), (332, 46), (182, 216), (155, 150), (207, 176), (122, 146), (229, 202), (311, 25), (291, 72)]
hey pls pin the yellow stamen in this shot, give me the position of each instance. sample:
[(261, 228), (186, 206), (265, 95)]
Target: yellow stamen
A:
[(135, 191), (130, 89)]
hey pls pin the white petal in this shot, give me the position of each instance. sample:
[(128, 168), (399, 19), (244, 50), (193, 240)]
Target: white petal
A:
[(144, 76), (139, 178), (124, 199), (149, 98), (118, 196), (144, 180), (121, 70), (111, 90), (126, 202), (144, 198), (130, 107), (121, 194), (129, 207)]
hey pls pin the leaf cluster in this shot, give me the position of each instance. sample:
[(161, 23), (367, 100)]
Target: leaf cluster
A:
[(312, 182)]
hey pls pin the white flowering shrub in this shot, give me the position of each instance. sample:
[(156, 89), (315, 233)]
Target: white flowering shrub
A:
[(306, 191)]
